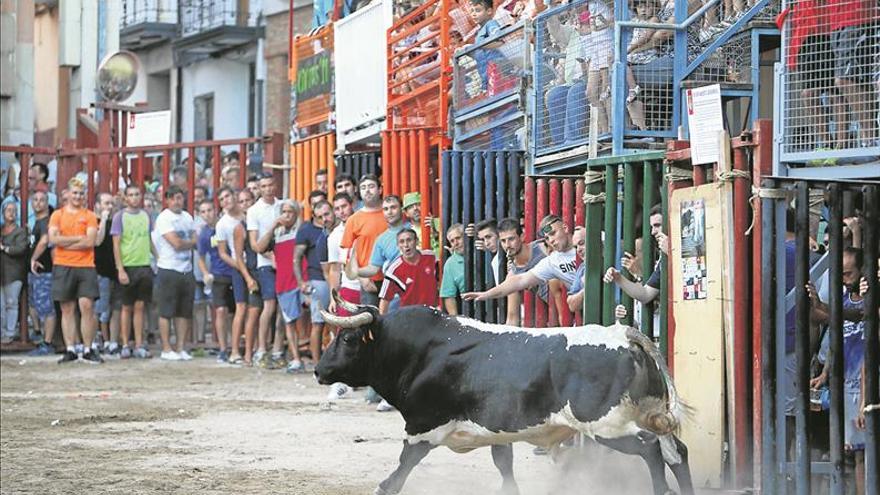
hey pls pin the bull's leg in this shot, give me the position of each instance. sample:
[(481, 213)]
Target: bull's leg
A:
[(682, 469), (648, 448), (410, 457), (502, 455)]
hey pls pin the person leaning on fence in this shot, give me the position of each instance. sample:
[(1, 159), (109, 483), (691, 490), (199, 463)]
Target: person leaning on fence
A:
[(72, 230), (853, 355), (561, 264), (649, 291), (345, 183), (482, 12), (412, 211), (452, 283), (521, 257), (566, 101), (598, 52), (131, 230), (14, 264), (486, 241), (40, 277)]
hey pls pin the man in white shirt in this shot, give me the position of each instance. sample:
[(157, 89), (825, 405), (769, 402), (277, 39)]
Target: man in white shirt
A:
[(561, 264), (261, 220), (174, 238)]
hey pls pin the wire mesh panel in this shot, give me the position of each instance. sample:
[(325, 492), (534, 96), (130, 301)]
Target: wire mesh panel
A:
[(201, 15), (730, 63), (312, 83), (140, 11), (573, 53), (488, 81), (831, 81), (649, 96)]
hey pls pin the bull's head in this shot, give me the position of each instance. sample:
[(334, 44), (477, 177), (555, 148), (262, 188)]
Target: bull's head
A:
[(346, 360)]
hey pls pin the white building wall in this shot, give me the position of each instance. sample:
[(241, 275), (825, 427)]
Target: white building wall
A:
[(228, 81)]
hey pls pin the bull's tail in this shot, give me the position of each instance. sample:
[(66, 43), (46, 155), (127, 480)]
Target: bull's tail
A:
[(658, 416)]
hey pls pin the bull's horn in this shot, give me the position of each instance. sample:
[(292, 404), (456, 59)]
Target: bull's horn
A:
[(342, 303), (354, 321)]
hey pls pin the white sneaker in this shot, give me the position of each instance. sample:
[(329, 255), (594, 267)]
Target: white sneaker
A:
[(184, 356), (337, 391), (384, 406), (170, 356)]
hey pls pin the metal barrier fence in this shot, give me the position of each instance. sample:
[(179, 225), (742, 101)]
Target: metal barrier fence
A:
[(477, 186), (418, 53), (792, 421), (358, 164), (312, 70), (828, 111), (574, 48), (489, 82), (410, 162), (197, 16)]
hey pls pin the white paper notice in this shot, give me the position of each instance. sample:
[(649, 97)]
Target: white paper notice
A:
[(705, 122), (149, 128)]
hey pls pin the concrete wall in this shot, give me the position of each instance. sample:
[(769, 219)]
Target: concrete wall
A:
[(154, 78), (17, 87), (277, 85), (228, 80), (47, 77)]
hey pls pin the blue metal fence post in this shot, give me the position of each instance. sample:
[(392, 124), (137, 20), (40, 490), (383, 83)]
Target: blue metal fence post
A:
[(802, 339), (467, 209), (479, 214), (768, 345), (618, 78)]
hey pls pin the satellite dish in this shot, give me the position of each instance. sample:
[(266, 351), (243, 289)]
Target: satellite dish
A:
[(117, 75)]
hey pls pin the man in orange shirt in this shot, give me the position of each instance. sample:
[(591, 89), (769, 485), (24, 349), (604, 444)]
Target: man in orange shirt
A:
[(361, 231), (72, 230)]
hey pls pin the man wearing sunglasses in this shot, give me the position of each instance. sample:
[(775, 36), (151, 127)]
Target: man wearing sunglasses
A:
[(561, 264)]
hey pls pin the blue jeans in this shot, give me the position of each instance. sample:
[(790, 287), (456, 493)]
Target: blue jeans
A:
[(568, 111)]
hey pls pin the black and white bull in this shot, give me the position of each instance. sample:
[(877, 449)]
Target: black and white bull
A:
[(465, 384)]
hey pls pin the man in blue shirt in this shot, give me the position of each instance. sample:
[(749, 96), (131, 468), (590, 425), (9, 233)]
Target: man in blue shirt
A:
[(217, 274), (311, 243)]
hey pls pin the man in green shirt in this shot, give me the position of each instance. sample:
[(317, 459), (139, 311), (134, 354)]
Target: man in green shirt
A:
[(452, 284), (133, 248)]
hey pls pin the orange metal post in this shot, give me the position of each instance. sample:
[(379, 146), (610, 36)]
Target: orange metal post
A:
[(90, 180), (392, 169), (415, 155), (424, 186), (331, 166), (406, 154), (114, 173), (139, 170)]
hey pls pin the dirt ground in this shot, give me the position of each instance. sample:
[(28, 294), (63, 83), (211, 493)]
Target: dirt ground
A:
[(149, 426)]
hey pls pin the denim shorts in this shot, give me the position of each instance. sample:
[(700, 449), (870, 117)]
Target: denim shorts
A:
[(40, 294), (319, 299), (266, 278), (290, 303), (108, 298)]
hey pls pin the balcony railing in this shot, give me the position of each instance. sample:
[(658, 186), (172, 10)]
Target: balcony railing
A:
[(489, 79), (136, 12), (197, 16)]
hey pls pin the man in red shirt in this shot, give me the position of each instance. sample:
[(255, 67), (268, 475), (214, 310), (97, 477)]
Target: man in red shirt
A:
[(413, 275)]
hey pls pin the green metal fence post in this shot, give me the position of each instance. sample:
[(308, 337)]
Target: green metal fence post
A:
[(592, 308), (610, 247), (649, 198), (664, 278), (630, 192)]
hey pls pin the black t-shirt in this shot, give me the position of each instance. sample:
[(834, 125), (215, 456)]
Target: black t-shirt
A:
[(105, 263), (41, 228)]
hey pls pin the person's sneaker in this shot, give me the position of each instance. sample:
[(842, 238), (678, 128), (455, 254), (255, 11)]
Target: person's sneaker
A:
[(184, 356), (142, 353), (222, 357), (277, 363), (68, 357), (337, 391), (125, 353), (258, 356), (170, 356), (92, 357), (371, 397), (295, 366), (43, 349), (384, 406), (113, 349)]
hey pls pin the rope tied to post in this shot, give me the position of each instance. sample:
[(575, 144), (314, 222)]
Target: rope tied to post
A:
[(763, 193), (594, 198), (678, 174), (731, 175), (593, 176)]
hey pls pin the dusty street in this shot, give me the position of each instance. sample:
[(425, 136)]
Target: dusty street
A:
[(200, 427)]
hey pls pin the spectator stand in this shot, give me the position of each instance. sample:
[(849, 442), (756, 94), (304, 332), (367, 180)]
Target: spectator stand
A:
[(787, 463), (827, 120), (313, 132), (633, 101), (490, 79)]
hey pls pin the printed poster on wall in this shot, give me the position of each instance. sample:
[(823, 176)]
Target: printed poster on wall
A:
[(693, 250)]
